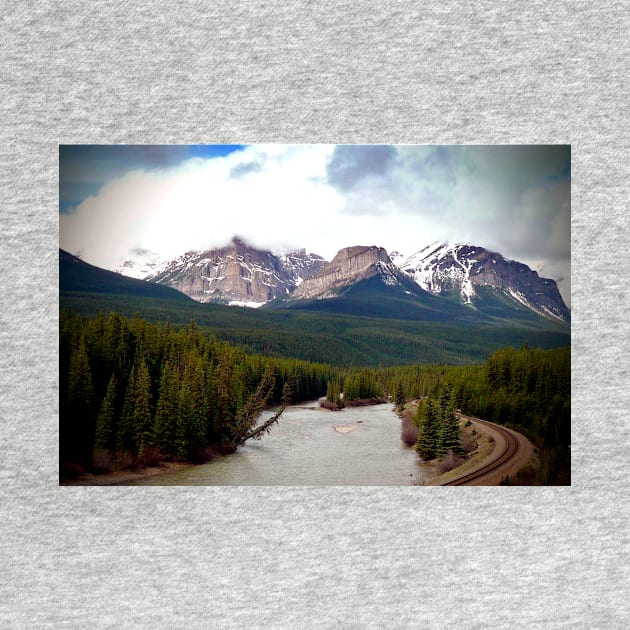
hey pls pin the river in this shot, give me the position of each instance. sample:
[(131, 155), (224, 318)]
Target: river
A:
[(357, 446)]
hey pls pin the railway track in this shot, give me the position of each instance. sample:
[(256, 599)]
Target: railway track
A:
[(509, 451)]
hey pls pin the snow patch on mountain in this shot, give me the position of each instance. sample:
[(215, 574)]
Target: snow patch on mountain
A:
[(443, 268), (236, 274)]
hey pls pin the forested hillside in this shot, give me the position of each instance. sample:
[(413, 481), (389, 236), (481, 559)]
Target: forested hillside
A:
[(528, 390), (327, 338), (135, 392), (359, 335)]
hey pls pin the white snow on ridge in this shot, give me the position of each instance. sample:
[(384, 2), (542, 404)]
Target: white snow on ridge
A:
[(246, 304), (543, 310), (422, 268), (388, 274), (467, 290)]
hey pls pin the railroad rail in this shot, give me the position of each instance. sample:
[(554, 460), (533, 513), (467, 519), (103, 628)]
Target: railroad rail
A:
[(512, 446)]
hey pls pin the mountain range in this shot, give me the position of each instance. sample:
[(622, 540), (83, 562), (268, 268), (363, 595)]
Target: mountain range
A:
[(374, 313), (440, 281)]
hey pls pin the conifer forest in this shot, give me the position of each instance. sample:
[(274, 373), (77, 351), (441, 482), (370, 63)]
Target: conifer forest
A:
[(135, 393)]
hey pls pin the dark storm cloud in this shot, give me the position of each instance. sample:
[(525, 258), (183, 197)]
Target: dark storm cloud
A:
[(350, 164), (512, 198), (83, 169)]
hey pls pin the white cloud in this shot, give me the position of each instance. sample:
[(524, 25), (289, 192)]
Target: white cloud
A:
[(279, 197)]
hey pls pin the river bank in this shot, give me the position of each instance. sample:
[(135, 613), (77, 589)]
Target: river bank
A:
[(124, 476), (478, 441), (483, 443), (310, 446)]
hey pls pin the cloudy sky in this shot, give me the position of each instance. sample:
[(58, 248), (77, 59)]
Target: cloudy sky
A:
[(115, 201)]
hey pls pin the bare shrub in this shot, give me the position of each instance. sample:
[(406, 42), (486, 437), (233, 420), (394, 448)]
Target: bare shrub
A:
[(469, 444), (409, 432), (151, 456), (102, 460), (326, 404), (449, 461), (124, 460)]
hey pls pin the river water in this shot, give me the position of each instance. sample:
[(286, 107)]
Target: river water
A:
[(310, 446)]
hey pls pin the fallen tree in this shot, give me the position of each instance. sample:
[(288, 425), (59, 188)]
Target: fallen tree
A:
[(244, 427)]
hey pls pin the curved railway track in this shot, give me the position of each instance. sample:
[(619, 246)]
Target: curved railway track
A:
[(509, 451)]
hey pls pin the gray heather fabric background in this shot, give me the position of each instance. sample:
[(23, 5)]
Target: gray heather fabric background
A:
[(282, 557)]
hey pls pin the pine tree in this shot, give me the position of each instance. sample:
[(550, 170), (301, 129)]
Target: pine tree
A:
[(449, 434), (105, 422), (333, 393), (400, 398), (428, 418), (166, 412), (142, 408), (193, 410), (124, 431), (135, 430), (286, 394), (77, 430)]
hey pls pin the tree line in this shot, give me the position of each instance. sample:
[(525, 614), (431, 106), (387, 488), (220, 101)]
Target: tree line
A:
[(526, 389), (133, 391), (334, 339), (353, 387)]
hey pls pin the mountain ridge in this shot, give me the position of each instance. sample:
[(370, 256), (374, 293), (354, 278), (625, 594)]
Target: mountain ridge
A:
[(370, 324), (462, 268), (237, 274), (471, 276)]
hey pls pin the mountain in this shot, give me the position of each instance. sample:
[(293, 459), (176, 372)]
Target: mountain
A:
[(483, 280), (237, 274), (443, 283), (140, 264), (349, 266), (370, 323), (439, 282), (77, 276), (363, 280)]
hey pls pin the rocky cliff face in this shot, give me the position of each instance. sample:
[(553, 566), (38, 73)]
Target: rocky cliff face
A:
[(349, 266), (464, 269), (238, 274)]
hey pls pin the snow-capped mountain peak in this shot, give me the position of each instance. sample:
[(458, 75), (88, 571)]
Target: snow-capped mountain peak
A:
[(141, 263), (237, 274), (443, 268)]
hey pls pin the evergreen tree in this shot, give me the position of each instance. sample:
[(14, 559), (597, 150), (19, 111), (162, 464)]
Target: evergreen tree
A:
[(124, 431), (135, 430), (77, 429), (193, 410), (142, 408), (449, 434), (286, 394), (333, 393), (105, 422), (166, 413), (427, 418), (400, 397)]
